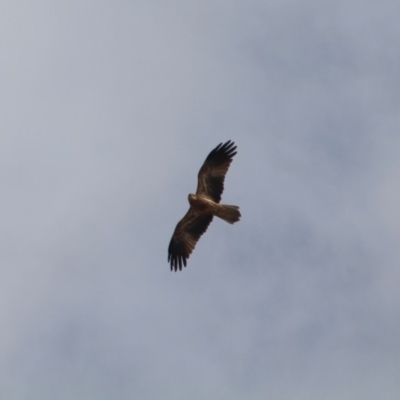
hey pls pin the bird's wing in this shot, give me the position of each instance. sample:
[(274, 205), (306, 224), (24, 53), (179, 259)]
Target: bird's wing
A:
[(212, 173), (186, 234)]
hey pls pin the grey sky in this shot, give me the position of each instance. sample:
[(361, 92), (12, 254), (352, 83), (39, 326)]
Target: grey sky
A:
[(108, 110)]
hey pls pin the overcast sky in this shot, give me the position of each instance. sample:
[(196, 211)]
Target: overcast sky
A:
[(108, 110)]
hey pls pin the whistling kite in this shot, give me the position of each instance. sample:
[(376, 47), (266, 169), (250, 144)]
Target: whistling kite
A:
[(203, 205)]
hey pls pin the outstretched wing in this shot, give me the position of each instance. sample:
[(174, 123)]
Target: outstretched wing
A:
[(212, 173), (185, 237)]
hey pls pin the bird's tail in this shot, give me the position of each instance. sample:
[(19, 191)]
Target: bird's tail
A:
[(228, 213)]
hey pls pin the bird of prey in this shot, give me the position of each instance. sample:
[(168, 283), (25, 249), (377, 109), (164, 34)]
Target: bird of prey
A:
[(203, 205)]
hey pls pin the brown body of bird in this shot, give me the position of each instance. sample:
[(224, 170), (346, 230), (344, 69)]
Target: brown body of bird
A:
[(204, 205)]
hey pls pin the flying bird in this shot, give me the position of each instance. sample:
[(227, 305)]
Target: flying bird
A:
[(204, 205)]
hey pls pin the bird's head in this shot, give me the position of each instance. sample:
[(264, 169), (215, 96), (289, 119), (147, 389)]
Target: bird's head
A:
[(191, 197)]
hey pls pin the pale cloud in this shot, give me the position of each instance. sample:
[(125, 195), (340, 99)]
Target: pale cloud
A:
[(109, 111)]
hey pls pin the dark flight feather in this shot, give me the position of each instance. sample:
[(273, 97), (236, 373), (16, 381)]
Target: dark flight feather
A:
[(212, 173), (187, 232)]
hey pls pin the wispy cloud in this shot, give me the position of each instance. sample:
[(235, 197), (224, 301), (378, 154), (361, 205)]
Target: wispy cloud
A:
[(108, 113)]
